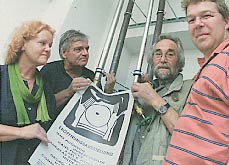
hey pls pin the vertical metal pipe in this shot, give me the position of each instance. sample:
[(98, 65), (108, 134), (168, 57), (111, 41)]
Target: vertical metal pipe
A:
[(143, 44), (159, 22), (157, 30), (103, 57), (121, 38)]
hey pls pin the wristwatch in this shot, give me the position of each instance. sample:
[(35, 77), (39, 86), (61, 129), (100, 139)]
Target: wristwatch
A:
[(164, 108)]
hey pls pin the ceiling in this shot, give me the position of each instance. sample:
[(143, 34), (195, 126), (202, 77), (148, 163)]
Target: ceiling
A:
[(173, 13), (172, 10), (133, 44)]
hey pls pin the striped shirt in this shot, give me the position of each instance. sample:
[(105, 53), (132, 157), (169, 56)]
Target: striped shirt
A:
[(201, 135)]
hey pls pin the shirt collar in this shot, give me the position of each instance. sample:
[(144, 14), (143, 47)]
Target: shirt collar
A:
[(220, 48), (202, 62), (176, 85)]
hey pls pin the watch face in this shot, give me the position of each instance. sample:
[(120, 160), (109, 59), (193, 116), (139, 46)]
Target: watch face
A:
[(164, 108)]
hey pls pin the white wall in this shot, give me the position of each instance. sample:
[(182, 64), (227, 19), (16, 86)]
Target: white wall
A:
[(191, 65), (88, 16), (13, 13), (91, 17), (124, 75)]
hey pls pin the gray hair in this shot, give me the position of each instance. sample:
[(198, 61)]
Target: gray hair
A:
[(180, 51), (68, 37)]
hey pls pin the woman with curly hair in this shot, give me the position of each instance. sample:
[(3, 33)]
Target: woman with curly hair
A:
[(27, 105)]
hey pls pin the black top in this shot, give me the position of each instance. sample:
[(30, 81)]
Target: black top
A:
[(55, 74), (17, 152)]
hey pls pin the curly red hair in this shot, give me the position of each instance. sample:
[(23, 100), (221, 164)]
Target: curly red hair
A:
[(26, 31)]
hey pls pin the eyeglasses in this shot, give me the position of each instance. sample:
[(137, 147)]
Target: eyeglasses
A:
[(203, 17), (168, 55)]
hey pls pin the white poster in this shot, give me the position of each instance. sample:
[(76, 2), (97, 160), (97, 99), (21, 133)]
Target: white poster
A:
[(91, 129)]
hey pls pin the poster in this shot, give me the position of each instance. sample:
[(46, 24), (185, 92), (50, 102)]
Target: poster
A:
[(90, 130)]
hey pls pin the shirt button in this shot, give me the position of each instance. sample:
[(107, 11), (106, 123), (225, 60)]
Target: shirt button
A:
[(143, 137), (29, 108)]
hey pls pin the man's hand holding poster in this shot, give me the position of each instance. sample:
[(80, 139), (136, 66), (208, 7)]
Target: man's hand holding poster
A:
[(91, 129)]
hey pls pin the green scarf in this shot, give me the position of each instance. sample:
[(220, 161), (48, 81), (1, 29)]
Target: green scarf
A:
[(20, 92)]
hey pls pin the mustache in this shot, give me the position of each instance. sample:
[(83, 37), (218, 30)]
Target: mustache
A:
[(161, 66)]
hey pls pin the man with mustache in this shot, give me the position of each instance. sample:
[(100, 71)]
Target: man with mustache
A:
[(201, 135), (146, 143), (70, 75)]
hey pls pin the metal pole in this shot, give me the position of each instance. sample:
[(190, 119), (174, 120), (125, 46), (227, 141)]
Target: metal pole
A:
[(159, 23), (157, 30), (122, 36), (137, 72), (100, 67)]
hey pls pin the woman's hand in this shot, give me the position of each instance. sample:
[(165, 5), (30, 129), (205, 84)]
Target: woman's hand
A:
[(34, 131)]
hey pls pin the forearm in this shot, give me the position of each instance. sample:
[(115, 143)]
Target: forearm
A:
[(7, 138), (8, 133), (63, 96), (169, 119)]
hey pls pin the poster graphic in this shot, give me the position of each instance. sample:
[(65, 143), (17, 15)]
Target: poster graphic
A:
[(90, 130)]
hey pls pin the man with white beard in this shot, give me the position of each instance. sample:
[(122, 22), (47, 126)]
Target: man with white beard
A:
[(147, 142)]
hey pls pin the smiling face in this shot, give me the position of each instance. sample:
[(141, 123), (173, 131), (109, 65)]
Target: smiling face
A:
[(165, 59), (36, 51), (207, 31), (77, 55)]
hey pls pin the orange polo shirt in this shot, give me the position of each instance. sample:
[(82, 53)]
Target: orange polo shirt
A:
[(201, 134)]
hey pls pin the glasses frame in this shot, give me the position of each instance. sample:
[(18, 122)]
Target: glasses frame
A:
[(204, 16)]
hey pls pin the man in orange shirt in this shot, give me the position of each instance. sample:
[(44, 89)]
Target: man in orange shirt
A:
[(201, 134)]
